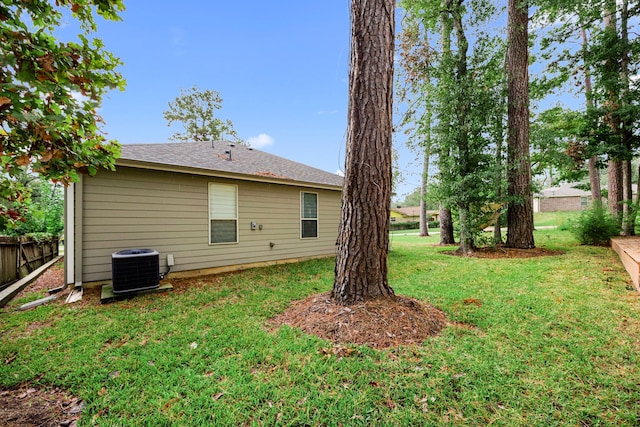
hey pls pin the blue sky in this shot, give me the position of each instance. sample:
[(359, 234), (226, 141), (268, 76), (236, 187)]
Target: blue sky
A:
[(280, 67)]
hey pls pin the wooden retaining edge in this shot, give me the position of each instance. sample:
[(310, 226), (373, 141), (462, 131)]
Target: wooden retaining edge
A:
[(630, 258), (7, 294)]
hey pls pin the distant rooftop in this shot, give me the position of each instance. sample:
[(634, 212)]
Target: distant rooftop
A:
[(226, 157), (565, 190)]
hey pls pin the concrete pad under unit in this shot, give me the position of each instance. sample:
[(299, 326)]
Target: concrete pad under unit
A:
[(628, 249), (107, 295)]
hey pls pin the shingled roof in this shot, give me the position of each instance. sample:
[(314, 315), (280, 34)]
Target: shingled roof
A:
[(224, 157)]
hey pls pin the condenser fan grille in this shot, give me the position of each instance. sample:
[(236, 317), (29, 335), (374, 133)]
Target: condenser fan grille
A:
[(135, 270)]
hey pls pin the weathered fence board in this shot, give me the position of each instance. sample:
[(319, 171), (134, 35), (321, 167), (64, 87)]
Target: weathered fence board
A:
[(20, 256)]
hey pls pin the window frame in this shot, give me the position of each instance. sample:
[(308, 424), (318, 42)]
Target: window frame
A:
[(210, 199), (302, 217)]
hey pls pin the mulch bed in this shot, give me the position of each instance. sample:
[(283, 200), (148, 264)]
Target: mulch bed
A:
[(378, 323), (28, 406), (501, 251)]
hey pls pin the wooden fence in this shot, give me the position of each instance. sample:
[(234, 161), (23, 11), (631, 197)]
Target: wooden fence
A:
[(19, 256)]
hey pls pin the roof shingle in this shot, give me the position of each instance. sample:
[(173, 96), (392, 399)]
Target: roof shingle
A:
[(223, 156)]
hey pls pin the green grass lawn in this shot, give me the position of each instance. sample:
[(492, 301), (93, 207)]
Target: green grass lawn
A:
[(540, 219), (556, 341)]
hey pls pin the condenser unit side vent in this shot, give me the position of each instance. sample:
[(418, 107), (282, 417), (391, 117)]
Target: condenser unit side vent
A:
[(135, 270)]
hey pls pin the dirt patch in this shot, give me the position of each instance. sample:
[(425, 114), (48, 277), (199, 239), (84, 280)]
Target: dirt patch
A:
[(52, 278), (378, 323), (27, 407), (502, 251)]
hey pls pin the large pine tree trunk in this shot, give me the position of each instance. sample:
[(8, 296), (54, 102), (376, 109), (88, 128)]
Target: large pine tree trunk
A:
[(363, 241), (594, 181), (499, 173), (520, 210), (615, 189), (446, 227), (628, 212)]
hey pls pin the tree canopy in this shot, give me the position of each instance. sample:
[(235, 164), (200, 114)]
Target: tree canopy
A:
[(50, 91), (195, 109)]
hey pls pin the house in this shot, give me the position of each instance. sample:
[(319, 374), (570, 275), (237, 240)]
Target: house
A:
[(209, 207), (565, 197), (411, 214)]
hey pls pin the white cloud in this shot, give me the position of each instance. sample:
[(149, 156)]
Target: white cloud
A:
[(260, 141), (339, 172), (327, 113)]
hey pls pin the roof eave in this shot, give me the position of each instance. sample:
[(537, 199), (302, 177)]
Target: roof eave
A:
[(222, 174)]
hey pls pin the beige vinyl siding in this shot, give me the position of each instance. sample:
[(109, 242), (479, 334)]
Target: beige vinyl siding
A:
[(168, 212)]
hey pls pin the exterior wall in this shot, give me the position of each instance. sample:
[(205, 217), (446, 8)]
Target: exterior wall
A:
[(168, 212), (397, 217), (555, 204)]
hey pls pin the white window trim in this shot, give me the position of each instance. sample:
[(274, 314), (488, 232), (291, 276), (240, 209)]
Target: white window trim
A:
[(209, 186), (316, 219)]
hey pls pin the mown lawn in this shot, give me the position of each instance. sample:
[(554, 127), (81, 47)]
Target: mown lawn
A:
[(546, 341)]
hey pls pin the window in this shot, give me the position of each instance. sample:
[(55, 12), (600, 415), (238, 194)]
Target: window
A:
[(308, 215), (583, 202), (223, 213)]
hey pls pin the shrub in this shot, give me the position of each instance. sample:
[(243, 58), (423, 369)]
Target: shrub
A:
[(411, 225), (595, 226)]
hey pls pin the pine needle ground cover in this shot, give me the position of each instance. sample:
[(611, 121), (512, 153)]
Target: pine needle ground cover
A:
[(552, 340)]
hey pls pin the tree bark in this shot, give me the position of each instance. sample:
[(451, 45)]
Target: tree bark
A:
[(615, 187), (363, 240), (627, 196), (446, 227), (520, 210), (424, 222), (497, 229)]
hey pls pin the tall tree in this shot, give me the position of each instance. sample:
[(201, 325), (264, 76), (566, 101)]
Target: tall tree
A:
[(594, 172), (50, 92), (416, 87), (611, 103), (520, 209), (609, 58), (454, 84), (363, 240), (195, 109)]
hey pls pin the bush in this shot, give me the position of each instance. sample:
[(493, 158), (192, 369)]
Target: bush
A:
[(595, 226), (411, 225)]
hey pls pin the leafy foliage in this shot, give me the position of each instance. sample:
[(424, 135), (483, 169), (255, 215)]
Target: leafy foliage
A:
[(455, 91), (49, 94), (43, 209), (558, 152), (594, 226), (195, 110)]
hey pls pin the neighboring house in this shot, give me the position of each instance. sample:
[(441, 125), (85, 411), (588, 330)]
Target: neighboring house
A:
[(213, 207), (411, 214), (564, 197)]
